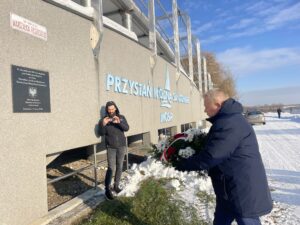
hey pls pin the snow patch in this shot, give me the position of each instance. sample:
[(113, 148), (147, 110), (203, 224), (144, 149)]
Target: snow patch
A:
[(279, 142)]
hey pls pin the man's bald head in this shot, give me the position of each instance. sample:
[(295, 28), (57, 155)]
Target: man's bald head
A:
[(213, 100)]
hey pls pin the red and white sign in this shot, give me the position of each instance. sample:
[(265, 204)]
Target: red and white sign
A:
[(27, 26)]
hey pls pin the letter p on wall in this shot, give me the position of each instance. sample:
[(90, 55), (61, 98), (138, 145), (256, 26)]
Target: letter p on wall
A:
[(109, 81)]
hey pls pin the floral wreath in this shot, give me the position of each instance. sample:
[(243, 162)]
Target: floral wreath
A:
[(181, 146)]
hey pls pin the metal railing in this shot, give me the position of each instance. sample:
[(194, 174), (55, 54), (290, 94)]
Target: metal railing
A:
[(94, 165), (165, 24), (181, 42), (172, 24)]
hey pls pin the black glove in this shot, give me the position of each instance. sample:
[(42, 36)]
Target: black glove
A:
[(180, 166)]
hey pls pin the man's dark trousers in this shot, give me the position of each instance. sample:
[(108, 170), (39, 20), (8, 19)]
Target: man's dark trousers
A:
[(115, 158), (223, 217)]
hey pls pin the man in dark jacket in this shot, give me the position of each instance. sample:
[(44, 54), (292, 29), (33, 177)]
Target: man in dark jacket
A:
[(279, 112), (112, 126), (231, 156)]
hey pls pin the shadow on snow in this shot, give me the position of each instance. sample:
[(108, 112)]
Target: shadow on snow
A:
[(285, 195)]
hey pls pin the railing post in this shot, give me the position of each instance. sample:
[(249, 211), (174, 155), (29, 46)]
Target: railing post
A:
[(210, 84), (152, 33), (126, 153), (190, 48), (97, 34), (95, 166), (127, 19), (87, 3), (176, 36), (204, 74), (198, 50)]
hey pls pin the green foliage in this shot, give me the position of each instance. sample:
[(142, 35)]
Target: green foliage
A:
[(199, 141), (205, 197), (113, 213), (152, 205), (155, 152)]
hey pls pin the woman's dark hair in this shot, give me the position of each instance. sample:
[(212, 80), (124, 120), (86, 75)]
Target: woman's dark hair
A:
[(110, 103)]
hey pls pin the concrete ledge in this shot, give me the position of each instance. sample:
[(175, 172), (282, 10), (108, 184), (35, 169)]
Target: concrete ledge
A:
[(74, 210)]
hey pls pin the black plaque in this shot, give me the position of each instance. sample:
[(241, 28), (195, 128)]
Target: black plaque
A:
[(30, 90)]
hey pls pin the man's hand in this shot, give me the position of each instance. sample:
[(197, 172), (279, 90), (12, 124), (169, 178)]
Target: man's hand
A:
[(116, 119), (106, 120), (180, 166)]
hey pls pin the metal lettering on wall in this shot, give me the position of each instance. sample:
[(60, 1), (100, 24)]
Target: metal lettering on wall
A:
[(30, 90), (166, 117), (130, 87)]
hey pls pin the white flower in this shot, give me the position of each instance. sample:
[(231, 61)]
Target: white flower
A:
[(186, 153), (191, 133)]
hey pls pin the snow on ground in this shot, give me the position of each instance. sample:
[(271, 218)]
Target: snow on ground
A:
[(279, 142)]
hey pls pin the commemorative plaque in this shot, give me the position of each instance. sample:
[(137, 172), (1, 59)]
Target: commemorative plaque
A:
[(30, 90)]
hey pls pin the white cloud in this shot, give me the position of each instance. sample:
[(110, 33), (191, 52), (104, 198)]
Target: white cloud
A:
[(195, 5), (264, 9), (258, 6), (202, 28), (213, 39), (272, 17), (289, 14), (242, 24), (259, 18), (244, 61), (275, 16), (248, 32), (223, 14), (271, 10)]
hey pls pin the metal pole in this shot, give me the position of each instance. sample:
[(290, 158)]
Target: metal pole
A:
[(98, 22), (127, 20), (198, 50), (86, 3), (95, 165), (69, 174), (126, 154), (210, 84), (176, 36), (152, 32), (204, 74), (190, 50), (207, 81)]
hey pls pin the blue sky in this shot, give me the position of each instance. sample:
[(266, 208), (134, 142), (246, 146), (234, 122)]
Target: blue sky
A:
[(259, 41)]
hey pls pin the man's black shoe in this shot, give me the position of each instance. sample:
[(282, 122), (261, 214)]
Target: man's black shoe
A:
[(108, 194), (117, 189)]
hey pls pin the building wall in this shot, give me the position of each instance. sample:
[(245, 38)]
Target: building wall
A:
[(77, 85), (123, 58), (26, 138)]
